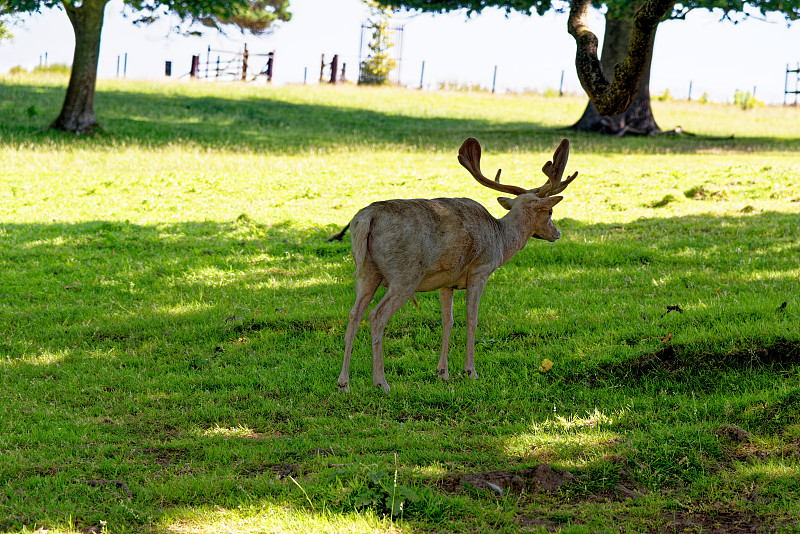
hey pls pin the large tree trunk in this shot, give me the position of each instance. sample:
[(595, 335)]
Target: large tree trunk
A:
[(77, 113), (638, 118)]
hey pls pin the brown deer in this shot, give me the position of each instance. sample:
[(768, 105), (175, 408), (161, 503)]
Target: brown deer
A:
[(420, 245)]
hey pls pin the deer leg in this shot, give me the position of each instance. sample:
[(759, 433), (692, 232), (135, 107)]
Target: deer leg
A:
[(365, 290), (446, 303), (474, 292), (378, 317)]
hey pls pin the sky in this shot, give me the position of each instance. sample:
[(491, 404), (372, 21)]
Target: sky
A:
[(527, 52)]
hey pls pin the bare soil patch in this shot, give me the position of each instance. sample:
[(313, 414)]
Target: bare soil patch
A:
[(539, 478), (717, 522)]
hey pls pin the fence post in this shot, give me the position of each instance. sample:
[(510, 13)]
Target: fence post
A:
[(305, 75), (690, 91), (322, 68), (195, 66), (561, 85), (494, 78), (244, 64), (125, 66), (270, 59), (208, 60), (334, 67), (422, 74), (168, 68), (786, 85), (117, 66)]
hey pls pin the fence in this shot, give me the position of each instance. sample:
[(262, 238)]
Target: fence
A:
[(786, 91), (229, 66)]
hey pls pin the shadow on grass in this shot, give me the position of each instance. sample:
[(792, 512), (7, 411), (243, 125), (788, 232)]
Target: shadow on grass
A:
[(196, 363), (269, 124), (101, 279)]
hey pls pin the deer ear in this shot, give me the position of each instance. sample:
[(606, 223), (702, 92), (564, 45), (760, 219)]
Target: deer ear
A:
[(549, 202), (506, 202)]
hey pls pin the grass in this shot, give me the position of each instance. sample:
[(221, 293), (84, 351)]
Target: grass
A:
[(173, 318)]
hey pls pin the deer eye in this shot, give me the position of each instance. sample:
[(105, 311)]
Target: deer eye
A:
[(551, 212)]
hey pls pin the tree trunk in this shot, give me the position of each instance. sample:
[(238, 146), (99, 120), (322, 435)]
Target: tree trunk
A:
[(77, 113), (638, 118)]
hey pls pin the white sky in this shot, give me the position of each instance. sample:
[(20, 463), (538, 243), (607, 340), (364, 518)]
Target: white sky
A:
[(530, 52)]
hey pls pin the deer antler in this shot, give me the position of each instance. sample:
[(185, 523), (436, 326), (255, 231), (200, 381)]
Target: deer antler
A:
[(469, 156), (554, 170)]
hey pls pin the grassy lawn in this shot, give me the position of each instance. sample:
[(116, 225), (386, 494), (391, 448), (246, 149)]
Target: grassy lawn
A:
[(172, 319)]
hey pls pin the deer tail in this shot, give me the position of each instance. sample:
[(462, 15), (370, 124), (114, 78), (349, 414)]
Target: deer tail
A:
[(339, 236), (359, 237)]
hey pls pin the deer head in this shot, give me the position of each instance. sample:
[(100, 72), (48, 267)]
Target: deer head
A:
[(537, 203)]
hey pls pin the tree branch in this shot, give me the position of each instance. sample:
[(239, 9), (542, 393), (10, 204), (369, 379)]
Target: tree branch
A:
[(612, 98)]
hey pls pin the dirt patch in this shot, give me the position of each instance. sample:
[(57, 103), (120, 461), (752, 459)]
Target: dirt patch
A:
[(539, 478), (163, 456), (281, 325), (281, 470), (673, 522), (734, 434), (550, 524), (716, 522)]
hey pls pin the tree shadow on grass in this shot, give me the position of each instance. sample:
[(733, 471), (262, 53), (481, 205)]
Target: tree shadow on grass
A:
[(196, 362), (94, 280), (269, 124)]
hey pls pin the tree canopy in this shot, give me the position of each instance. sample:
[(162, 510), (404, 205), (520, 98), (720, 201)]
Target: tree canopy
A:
[(732, 9), (251, 15)]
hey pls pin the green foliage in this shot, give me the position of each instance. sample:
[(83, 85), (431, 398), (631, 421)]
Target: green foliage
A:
[(5, 33), (745, 100), (459, 86), (666, 96), (56, 69), (255, 16), (375, 69), (733, 9), (380, 492)]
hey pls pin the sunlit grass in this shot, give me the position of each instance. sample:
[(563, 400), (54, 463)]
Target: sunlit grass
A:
[(274, 518)]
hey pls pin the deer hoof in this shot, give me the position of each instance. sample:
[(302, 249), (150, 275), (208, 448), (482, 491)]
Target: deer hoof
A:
[(471, 373), (443, 374), (344, 388), (384, 386)]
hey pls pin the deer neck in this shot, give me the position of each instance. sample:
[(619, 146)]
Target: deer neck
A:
[(516, 229)]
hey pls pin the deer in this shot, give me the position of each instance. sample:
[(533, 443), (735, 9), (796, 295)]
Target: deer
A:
[(419, 245)]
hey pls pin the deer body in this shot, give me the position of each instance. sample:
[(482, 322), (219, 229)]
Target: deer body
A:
[(444, 244), (442, 240)]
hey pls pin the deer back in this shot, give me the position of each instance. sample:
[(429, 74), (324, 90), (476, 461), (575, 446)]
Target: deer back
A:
[(437, 241)]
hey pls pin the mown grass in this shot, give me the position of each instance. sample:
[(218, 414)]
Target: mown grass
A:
[(173, 316)]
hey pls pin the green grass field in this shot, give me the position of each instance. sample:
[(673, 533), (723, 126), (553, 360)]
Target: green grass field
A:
[(172, 319)]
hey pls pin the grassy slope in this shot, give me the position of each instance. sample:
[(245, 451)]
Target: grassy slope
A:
[(174, 317)]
